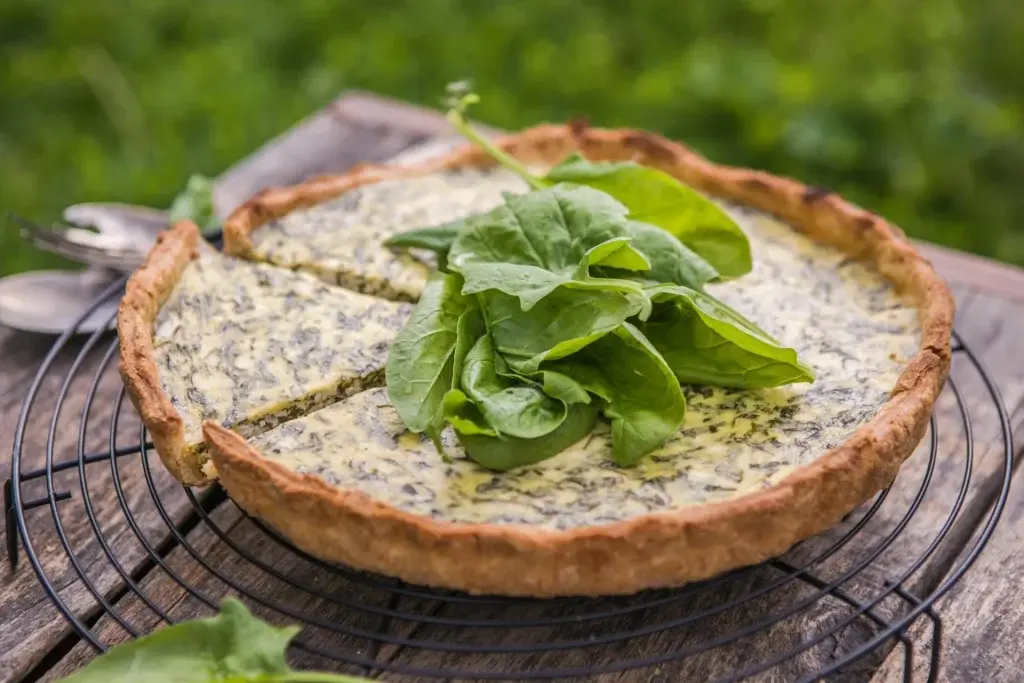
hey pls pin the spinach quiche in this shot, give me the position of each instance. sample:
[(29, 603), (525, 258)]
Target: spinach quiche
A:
[(209, 337), (276, 349)]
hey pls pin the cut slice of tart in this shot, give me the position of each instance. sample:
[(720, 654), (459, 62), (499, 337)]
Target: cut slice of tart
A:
[(209, 337), (751, 473), (340, 238)]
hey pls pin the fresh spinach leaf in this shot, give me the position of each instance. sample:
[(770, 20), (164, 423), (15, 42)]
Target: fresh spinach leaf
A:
[(195, 203), (489, 448), (654, 197), (437, 238), (551, 229), (511, 406), (705, 341), (561, 386), (505, 453), (529, 284), (616, 252), (650, 196), (465, 416), (671, 261), (539, 241), (468, 330), (641, 397), (232, 647), (532, 332), (561, 324), (420, 364)]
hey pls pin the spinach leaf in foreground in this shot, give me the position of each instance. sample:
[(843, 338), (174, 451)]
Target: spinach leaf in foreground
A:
[(195, 203), (232, 647), (705, 341), (642, 398), (559, 325), (655, 197), (420, 363)]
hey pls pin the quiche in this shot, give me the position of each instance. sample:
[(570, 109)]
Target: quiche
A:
[(209, 337), (750, 473)]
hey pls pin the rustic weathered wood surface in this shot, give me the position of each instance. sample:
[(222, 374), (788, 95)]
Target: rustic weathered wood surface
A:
[(981, 615)]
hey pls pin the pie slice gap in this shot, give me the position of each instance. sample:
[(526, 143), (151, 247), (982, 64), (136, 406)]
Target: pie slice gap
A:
[(340, 237), (750, 474), (210, 337)]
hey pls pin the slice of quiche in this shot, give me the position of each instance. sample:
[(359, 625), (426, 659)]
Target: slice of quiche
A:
[(751, 472), (210, 337)]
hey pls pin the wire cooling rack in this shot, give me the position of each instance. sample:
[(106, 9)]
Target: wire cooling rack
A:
[(835, 591)]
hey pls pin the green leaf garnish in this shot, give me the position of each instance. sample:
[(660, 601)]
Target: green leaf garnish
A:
[(421, 362), (537, 242), (706, 342), (584, 295), (460, 99), (510, 406), (642, 398), (232, 647), (561, 324), (670, 260), (503, 454), (438, 238), (195, 203), (655, 197)]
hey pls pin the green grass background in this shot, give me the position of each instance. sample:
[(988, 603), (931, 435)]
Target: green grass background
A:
[(913, 108)]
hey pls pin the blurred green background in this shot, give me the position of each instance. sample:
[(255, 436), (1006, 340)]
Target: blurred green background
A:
[(914, 109)]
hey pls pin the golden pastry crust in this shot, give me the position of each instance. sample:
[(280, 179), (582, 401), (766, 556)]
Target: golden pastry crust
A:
[(653, 550), (146, 291)]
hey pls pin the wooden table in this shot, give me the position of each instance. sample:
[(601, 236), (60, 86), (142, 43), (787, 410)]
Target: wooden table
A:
[(982, 616)]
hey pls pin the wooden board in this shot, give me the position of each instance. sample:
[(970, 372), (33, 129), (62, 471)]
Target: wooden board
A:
[(365, 127)]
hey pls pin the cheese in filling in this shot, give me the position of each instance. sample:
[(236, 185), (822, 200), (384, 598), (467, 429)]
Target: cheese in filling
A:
[(341, 241), (844, 319), (251, 345)]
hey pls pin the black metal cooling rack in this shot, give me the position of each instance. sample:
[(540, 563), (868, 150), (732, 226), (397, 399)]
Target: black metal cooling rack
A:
[(378, 626)]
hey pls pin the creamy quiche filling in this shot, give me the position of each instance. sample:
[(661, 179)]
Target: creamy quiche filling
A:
[(341, 241), (844, 320), (250, 345)]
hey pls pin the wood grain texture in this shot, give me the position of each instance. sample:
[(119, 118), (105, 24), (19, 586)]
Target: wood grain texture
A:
[(366, 127)]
